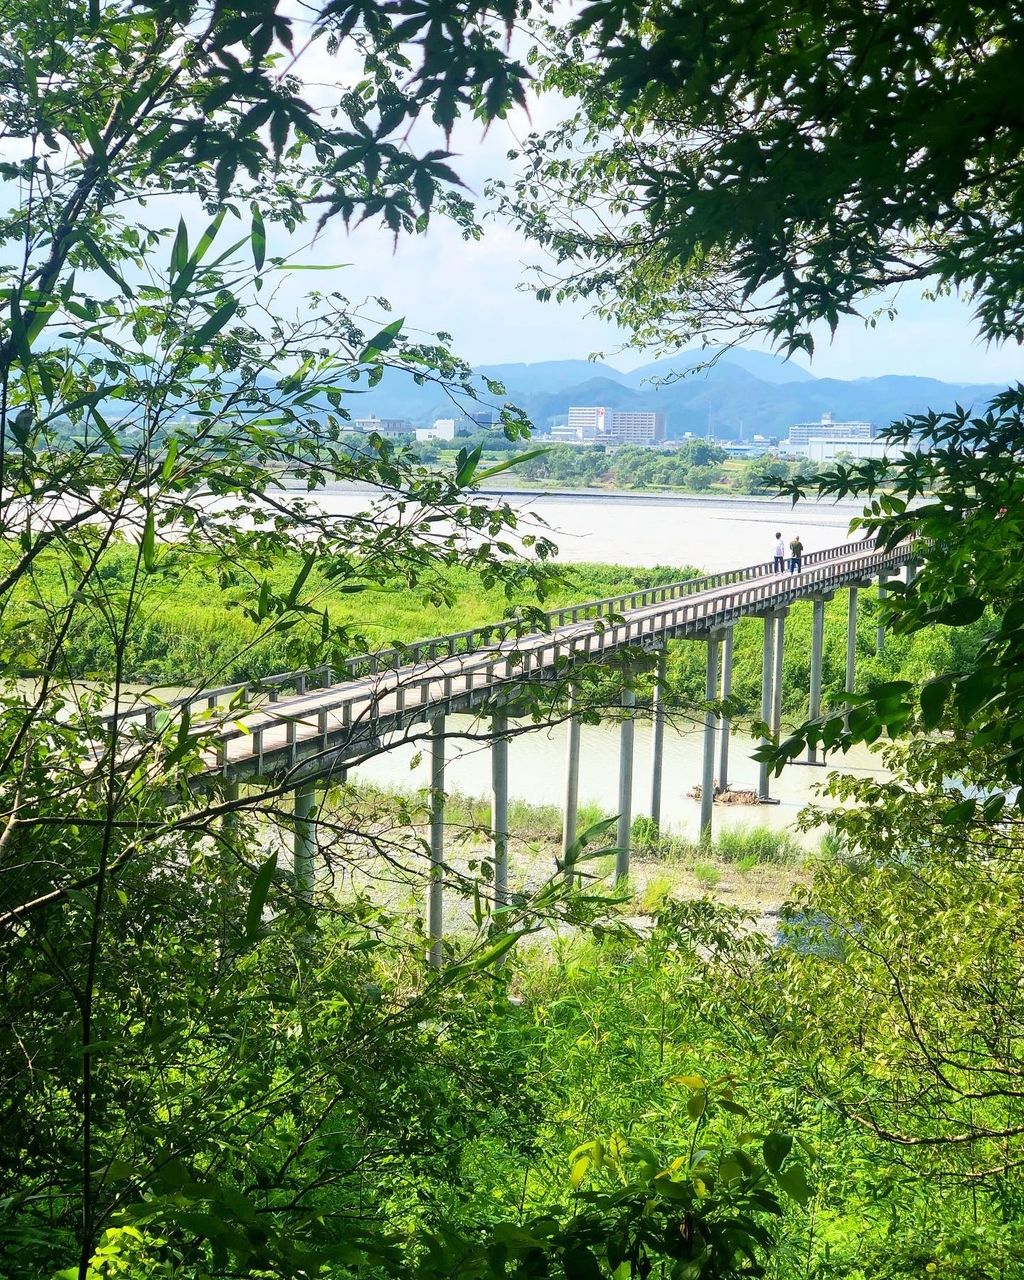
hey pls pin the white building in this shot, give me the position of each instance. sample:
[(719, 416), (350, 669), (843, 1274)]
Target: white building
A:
[(855, 447), (443, 429), (802, 433), (389, 428), (599, 424)]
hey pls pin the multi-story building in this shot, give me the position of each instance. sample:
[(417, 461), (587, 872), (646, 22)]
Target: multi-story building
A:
[(443, 429), (389, 428), (802, 433), (854, 447), (599, 424)]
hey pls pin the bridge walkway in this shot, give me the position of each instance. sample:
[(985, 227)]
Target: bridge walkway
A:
[(310, 734)]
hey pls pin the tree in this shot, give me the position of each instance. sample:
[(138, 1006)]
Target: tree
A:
[(738, 168), (179, 1036)]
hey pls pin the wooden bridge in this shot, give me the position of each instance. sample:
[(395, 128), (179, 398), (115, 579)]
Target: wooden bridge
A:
[(306, 725)]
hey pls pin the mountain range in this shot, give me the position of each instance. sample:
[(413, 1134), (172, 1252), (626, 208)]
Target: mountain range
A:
[(742, 394)]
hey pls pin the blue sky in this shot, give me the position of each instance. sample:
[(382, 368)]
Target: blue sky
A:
[(437, 281), (472, 289)]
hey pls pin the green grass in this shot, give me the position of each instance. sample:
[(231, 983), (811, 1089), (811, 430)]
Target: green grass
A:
[(190, 630)]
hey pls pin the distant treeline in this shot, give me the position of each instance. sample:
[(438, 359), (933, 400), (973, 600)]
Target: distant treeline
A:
[(692, 466)]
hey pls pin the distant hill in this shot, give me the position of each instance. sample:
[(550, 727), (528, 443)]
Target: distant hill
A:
[(744, 393), (761, 364)]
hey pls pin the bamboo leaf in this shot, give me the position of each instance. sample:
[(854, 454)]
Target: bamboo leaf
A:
[(149, 542), (258, 898), (205, 333), (258, 238)]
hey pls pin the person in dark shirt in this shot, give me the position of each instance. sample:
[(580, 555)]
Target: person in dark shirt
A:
[(796, 554)]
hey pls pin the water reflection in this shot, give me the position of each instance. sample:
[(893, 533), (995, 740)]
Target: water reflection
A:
[(537, 763)]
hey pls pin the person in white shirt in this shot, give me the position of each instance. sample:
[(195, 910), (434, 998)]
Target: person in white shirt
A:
[(780, 553)]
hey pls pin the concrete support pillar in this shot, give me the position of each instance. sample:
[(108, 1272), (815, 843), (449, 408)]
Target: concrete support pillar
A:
[(435, 887), (228, 868), (767, 699), (230, 823), (851, 642), (304, 840), (658, 738), (880, 630), (625, 777), (499, 805), (725, 724), (780, 647), (572, 784), (911, 572), (707, 785), (817, 650)]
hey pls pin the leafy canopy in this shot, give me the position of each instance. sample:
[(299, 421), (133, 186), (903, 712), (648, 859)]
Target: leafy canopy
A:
[(741, 167)]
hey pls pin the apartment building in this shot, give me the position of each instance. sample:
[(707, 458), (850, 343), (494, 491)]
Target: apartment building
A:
[(802, 433), (601, 425)]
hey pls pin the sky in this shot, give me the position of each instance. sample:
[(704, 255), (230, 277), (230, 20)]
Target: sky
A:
[(473, 289)]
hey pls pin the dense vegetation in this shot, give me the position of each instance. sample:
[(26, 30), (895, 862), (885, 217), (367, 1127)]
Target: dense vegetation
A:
[(210, 1070), (186, 634)]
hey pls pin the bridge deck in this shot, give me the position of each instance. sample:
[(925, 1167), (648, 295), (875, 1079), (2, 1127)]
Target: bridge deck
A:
[(313, 732)]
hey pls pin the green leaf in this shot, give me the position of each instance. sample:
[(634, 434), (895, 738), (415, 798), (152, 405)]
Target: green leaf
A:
[(793, 1180), (381, 341), (498, 468), (258, 898), (580, 1263), (258, 238), (209, 235), (300, 581), (933, 700), (149, 542), (172, 453), (179, 250), (961, 812), (960, 613), (500, 948), (105, 265), (580, 1169), (466, 465), (776, 1147), (688, 1082), (213, 326)]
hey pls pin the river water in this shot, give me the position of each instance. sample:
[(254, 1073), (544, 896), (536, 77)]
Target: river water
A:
[(537, 771), (645, 530)]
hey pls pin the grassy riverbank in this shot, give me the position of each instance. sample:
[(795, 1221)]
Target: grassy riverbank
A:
[(752, 867)]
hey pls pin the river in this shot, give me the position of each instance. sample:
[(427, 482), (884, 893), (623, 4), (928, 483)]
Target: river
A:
[(537, 770), (645, 530)]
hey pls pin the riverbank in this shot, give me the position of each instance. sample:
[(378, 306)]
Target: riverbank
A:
[(751, 866)]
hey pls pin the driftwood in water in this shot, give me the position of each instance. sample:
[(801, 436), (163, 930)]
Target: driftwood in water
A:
[(728, 796)]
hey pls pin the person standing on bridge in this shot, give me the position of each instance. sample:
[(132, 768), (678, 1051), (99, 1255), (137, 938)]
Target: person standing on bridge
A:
[(796, 554), (780, 553)]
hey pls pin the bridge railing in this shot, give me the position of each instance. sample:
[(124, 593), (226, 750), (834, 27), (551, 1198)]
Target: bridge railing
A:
[(458, 643), (210, 699), (412, 694)]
